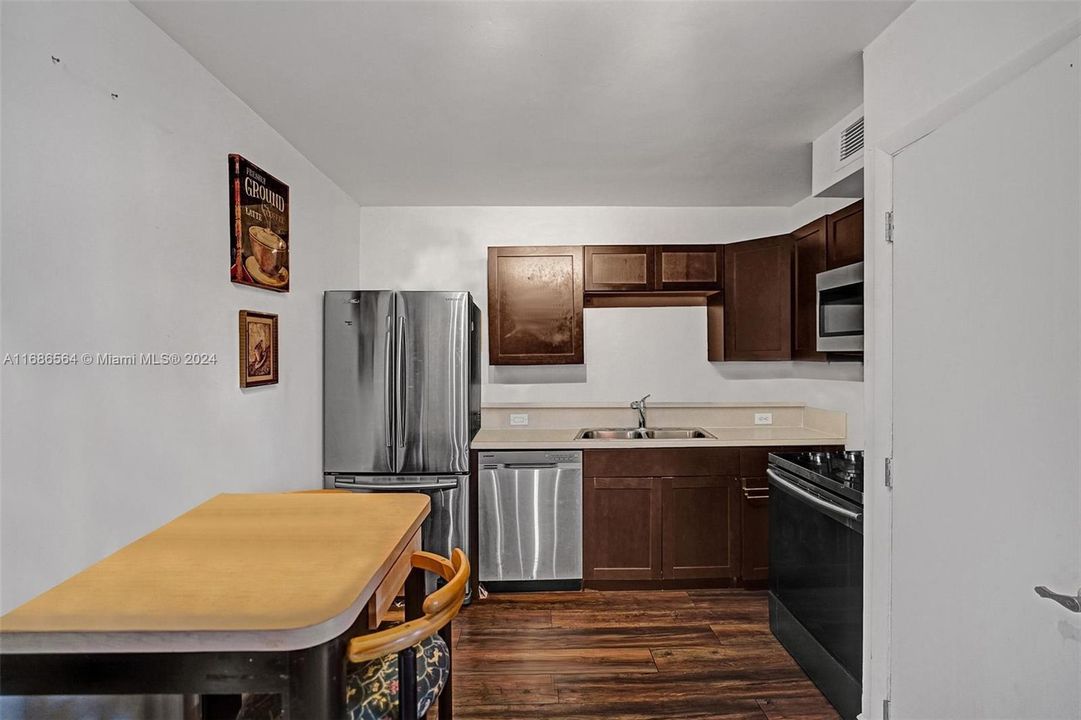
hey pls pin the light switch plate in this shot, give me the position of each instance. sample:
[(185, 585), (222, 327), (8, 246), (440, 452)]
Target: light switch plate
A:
[(763, 418), (519, 419)]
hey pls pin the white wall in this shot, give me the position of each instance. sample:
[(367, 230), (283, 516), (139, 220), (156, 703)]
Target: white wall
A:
[(115, 239), (934, 50), (930, 63), (628, 351)]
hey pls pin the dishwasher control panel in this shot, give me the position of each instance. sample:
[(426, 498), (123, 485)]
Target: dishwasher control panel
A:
[(511, 458)]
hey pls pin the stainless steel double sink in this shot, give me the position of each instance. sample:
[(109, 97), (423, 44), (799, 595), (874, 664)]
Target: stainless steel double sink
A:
[(642, 434)]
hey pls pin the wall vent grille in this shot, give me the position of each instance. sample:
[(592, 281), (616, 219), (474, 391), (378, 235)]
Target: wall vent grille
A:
[(852, 140)]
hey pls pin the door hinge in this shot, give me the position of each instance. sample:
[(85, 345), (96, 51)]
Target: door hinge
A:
[(889, 226), (885, 709), (889, 473)]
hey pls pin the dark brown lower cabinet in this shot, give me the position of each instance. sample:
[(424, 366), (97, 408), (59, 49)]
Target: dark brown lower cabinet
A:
[(621, 529), (754, 530), (700, 535), (676, 517)]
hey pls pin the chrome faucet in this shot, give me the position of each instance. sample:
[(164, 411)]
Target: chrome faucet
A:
[(640, 406)]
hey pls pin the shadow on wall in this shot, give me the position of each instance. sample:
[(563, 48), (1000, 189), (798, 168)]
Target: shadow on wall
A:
[(558, 374), (432, 259), (849, 370), (536, 374)]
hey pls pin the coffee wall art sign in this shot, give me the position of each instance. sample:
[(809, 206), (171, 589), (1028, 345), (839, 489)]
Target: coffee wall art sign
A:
[(258, 349), (259, 210)]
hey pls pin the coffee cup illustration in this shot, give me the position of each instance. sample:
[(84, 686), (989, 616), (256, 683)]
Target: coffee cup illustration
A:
[(268, 249)]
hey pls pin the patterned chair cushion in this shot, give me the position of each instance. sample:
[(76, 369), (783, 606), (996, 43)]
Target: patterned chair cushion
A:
[(372, 687)]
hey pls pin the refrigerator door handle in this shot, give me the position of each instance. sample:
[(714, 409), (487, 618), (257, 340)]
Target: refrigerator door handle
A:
[(401, 487), (387, 362), (399, 396)]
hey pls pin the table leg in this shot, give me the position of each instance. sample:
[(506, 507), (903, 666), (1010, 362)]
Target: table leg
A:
[(446, 698), (414, 594), (317, 682)]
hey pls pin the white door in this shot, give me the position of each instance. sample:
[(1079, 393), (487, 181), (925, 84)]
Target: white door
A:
[(987, 406)]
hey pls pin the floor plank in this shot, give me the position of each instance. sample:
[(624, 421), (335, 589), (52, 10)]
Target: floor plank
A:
[(475, 690), (551, 660), (524, 639), (699, 655), (806, 708), (680, 660)]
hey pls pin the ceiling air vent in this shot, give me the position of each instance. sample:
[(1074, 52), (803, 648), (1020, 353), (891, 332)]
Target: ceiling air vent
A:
[(852, 140)]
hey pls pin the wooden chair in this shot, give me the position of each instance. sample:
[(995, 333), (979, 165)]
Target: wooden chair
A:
[(383, 658)]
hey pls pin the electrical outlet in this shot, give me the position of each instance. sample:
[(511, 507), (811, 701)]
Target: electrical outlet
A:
[(763, 418), (519, 419)]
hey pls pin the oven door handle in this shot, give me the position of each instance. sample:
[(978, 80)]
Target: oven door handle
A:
[(812, 498)]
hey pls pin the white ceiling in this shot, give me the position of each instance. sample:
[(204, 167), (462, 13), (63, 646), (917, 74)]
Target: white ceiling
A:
[(543, 103)]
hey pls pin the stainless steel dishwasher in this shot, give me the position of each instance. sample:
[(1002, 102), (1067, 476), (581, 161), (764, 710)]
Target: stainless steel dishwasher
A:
[(529, 519)]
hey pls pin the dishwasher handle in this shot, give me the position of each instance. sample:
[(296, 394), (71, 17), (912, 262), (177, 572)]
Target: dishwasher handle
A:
[(529, 466)]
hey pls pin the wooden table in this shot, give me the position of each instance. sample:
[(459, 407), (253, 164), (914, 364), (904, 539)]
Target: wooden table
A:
[(244, 593)]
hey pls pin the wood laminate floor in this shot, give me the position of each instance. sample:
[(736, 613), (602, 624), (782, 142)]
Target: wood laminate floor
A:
[(631, 655)]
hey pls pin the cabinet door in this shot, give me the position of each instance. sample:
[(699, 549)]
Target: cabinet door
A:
[(701, 528), (690, 267), (621, 530), (810, 259), (754, 529), (758, 299), (535, 305), (619, 268), (845, 243)]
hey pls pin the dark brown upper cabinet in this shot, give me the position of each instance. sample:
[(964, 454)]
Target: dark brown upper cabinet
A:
[(690, 267), (844, 245), (757, 304), (619, 268), (535, 305), (809, 259)]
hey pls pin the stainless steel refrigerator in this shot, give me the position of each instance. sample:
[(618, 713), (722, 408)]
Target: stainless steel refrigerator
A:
[(401, 400)]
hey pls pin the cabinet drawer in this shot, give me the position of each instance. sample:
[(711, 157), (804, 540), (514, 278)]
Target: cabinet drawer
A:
[(661, 462), (384, 595)]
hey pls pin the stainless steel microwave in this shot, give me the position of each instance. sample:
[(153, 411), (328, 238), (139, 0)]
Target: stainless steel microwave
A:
[(840, 309)]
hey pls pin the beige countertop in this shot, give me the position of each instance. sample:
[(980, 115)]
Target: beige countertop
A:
[(555, 426), (563, 439)]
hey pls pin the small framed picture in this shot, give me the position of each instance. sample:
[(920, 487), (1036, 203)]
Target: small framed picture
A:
[(258, 349)]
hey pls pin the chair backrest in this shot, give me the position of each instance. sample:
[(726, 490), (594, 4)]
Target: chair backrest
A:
[(439, 609)]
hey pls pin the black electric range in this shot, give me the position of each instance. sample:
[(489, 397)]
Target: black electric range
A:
[(816, 568), (838, 472)]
